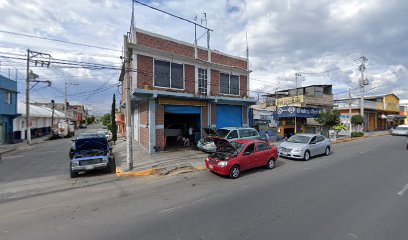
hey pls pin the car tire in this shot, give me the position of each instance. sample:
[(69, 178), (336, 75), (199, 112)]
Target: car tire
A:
[(72, 174), (234, 172), (327, 151), (270, 164), (306, 157), (112, 165)]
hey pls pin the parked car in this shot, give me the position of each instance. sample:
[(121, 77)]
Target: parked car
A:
[(82, 136), (401, 130), (304, 146), (106, 133), (206, 144), (233, 157), (91, 154)]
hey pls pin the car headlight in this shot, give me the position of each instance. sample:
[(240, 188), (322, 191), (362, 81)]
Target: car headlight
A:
[(223, 163), (75, 163), (298, 149)]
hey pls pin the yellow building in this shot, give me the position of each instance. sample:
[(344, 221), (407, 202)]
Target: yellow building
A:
[(404, 110)]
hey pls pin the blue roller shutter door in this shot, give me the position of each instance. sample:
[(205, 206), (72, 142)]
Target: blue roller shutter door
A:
[(176, 109), (229, 116)]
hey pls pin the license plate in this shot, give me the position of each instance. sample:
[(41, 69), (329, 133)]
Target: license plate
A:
[(88, 167), (210, 166)]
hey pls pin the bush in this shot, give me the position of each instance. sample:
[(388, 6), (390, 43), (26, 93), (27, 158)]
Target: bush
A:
[(357, 119), (357, 134)]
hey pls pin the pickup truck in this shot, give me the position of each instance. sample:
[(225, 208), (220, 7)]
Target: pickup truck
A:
[(91, 154)]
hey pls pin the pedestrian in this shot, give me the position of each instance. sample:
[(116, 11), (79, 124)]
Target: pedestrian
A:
[(191, 135)]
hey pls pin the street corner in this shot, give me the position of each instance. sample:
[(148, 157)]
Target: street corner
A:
[(142, 173)]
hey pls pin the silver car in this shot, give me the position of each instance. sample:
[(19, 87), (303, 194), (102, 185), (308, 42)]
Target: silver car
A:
[(304, 146), (401, 130)]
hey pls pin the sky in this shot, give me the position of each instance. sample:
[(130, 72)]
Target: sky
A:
[(322, 40)]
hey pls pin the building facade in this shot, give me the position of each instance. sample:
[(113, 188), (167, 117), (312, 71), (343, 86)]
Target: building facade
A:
[(296, 109), (75, 113), (8, 109), (403, 104), (177, 85), (381, 112)]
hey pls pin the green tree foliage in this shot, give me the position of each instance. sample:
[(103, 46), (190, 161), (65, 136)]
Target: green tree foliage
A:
[(357, 134), (341, 127), (106, 120), (90, 119), (329, 119), (114, 128), (357, 120)]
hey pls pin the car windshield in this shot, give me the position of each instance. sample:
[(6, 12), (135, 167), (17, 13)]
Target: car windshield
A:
[(299, 139), (238, 146), (402, 128), (222, 133)]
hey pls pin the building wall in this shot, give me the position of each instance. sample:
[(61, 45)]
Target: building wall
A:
[(164, 45), (229, 61), (215, 83), (213, 114), (145, 67), (160, 141), (143, 127)]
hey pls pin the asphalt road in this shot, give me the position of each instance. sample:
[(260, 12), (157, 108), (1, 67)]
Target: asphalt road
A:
[(358, 192)]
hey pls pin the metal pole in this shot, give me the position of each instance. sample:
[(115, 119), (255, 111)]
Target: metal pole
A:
[(52, 117), (28, 127), (350, 126), (65, 100), (129, 147)]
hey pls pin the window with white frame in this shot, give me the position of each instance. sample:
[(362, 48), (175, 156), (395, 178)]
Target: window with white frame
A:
[(168, 74), (202, 81), (229, 84), (7, 97)]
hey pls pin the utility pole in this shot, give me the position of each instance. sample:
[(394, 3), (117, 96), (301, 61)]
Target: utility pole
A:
[(349, 103), (296, 78), (66, 97), (362, 83), (129, 147), (45, 59), (52, 116)]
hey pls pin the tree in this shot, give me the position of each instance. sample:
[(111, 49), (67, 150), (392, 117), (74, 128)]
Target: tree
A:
[(329, 119), (114, 128), (90, 119), (106, 120), (357, 120)]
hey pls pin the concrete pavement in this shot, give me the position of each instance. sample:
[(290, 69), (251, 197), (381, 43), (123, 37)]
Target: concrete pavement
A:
[(355, 193)]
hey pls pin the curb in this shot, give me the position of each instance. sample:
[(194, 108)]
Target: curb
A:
[(7, 151), (358, 138), (148, 172)]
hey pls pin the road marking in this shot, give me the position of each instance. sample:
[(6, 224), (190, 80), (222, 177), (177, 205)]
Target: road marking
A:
[(180, 206), (403, 190)]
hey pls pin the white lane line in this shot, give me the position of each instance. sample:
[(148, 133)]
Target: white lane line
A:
[(403, 190), (180, 206)]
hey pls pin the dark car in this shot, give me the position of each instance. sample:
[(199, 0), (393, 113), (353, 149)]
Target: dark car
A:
[(82, 136), (91, 154), (231, 158)]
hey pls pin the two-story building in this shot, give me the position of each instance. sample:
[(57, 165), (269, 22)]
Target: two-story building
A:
[(8, 108), (176, 85), (297, 108), (404, 109), (381, 112)]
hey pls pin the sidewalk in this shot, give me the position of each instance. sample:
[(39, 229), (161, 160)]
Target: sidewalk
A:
[(161, 163), (6, 148)]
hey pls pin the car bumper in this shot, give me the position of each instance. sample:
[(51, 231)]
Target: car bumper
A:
[(89, 167), (217, 169), (399, 134), (296, 155)]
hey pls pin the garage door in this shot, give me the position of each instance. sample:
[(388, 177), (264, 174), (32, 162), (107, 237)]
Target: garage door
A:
[(229, 116), (176, 109)]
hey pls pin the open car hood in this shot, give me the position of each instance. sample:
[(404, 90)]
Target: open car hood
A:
[(99, 143), (223, 145), (210, 132)]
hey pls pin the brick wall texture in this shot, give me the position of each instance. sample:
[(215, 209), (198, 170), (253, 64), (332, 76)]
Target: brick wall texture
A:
[(204, 116), (144, 120), (215, 82), (213, 113)]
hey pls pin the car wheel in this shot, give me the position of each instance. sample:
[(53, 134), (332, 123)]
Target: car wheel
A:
[(306, 157), (327, 151), (112, 166), (271, 163), (72, 174), (234, 172)]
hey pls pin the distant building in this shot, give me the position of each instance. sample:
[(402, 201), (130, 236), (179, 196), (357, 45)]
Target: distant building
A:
[(40, 121), (298, 108), (381, 112), (75, 113), (404, 109), (8, 109)]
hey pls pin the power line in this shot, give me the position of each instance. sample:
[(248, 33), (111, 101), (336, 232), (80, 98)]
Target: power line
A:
[(58, 40)]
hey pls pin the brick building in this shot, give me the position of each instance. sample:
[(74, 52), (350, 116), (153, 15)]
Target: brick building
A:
[(175, 85)]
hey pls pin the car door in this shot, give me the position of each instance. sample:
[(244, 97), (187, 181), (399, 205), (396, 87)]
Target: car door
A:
[(244, 134), (321, 144), (313, 146), (263, 153), (249, 158)]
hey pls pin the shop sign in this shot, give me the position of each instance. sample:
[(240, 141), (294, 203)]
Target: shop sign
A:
[(298, 112)]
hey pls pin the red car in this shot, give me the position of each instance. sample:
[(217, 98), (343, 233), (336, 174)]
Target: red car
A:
[(231, 158)]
